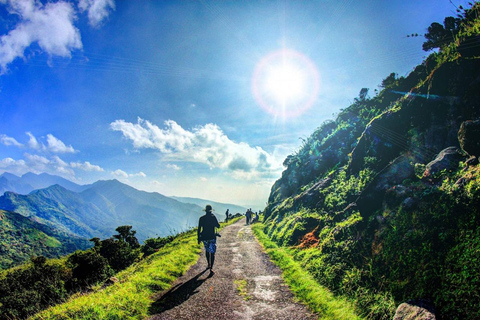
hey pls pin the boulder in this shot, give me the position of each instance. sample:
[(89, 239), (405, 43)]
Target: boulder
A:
[(447, 159), (469, 137), (415, 310)]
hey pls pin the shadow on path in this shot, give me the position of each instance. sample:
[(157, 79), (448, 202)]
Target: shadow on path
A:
[(177, 294)]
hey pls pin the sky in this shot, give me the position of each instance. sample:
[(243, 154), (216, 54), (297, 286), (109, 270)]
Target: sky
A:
[(199, 99)]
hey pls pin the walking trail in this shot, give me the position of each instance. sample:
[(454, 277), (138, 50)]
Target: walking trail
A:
[(246, 285)]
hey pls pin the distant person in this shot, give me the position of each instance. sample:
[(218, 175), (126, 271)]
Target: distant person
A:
[(227, 215), (206, 233), (248, 215)]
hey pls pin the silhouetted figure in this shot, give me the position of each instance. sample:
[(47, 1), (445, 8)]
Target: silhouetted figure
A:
[(227, 215), (248, 215), (206, 233)]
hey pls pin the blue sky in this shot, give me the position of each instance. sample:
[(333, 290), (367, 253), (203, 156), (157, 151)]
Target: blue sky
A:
[(176, 96)]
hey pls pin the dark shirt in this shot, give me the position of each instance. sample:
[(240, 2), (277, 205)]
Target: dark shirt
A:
[(206, 226)]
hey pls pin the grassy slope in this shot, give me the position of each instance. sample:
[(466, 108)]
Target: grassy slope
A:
[(319, 299), (130, 297)]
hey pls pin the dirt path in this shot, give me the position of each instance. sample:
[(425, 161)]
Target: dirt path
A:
[(246, 285)]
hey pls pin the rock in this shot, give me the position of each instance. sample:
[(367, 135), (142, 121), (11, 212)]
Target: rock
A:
[(408, 203), (469, 137), (472, 161), (110, 281), (415, 310), (448, 159)]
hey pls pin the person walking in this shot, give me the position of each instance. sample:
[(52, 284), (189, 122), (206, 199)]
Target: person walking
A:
[(207, 234), (248, 215)]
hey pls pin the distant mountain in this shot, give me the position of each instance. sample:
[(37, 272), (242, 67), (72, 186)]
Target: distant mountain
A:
[(31, 181), (220, 208), (102, 207), (22, 237)]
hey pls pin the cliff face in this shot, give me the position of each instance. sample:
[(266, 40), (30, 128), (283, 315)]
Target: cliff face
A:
[(383, 203)]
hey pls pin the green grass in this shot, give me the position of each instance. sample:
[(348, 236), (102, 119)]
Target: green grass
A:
[(319, 299), (130, 298), (241, 285)]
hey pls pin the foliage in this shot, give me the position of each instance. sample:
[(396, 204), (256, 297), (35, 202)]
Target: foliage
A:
[(25, 290), (22, 238), (30, 288), (88, 267), (152, 245)]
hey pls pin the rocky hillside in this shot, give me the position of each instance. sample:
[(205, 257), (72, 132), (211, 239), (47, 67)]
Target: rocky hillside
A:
[(383, 203)]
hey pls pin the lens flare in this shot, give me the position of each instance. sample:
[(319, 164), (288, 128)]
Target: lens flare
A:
[(285, 83)]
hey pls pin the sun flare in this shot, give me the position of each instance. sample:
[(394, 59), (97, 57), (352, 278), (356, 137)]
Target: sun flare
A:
[(285, 83)]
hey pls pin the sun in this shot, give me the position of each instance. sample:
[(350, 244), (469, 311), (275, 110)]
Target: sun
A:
[(285, 83)]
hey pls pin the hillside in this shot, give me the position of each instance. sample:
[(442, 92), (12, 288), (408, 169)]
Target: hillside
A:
[(22, 238), (383, 204)]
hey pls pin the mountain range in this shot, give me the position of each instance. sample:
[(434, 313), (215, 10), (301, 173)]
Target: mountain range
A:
[(96, 210), (31, 181)]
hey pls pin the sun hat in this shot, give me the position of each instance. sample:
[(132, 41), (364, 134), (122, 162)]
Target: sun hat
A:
[(208, 208)]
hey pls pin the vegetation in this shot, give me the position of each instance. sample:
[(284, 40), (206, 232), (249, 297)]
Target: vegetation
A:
[(83, 281), (21, 238), (367, 209), (319, 299), (27, 289)]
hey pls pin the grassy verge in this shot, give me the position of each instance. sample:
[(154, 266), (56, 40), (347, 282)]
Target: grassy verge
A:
[(319, 299), (130, 297)]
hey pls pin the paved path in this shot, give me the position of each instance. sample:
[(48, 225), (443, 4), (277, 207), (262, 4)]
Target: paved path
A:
[(240, 263)]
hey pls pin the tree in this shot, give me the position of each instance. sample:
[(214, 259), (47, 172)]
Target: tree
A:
[(389, 81), (88, 267), (118, 253), (441, 35), (125, 233)]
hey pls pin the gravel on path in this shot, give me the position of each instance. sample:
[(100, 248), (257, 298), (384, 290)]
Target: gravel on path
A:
[(246, 285)]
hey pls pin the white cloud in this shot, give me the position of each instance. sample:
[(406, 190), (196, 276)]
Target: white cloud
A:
[(33, 142), (122, 174), (173, 167), (86, 166), (57, 146), (9, 141), (54, 145), (14, 166), (205, 144), (97, 10), (140, 174), (51, 26)]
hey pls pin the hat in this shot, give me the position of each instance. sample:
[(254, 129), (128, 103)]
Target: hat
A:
[(208, 208)]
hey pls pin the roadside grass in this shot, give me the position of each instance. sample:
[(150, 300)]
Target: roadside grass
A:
[(319, 299), (130, 297)]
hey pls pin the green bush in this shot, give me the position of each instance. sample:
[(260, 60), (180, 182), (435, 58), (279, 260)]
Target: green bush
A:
[(88, 267)]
